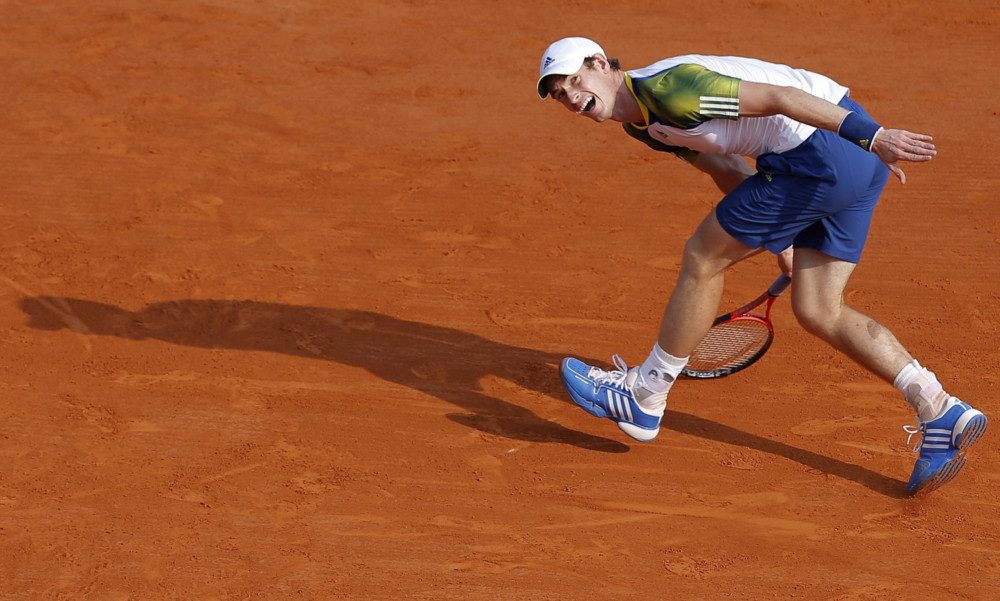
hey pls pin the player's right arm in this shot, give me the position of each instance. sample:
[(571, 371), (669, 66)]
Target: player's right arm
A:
[(891, 145)]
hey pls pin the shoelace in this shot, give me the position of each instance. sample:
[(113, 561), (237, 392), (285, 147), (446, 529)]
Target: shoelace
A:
[(911, 430), (614, 378)]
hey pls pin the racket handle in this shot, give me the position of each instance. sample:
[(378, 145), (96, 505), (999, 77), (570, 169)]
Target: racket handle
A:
[(779, 285)]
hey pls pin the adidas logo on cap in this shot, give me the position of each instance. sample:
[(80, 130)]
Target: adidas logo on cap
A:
[(548, 61)]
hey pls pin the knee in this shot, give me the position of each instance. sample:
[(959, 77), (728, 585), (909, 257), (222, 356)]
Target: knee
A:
[(698, 261), (814, 317)]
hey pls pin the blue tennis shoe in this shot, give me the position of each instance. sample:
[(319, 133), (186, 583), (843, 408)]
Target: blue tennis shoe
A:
[(615, 395), (942, 445)]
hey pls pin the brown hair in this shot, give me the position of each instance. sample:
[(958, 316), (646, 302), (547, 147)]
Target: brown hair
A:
[(615, 65)]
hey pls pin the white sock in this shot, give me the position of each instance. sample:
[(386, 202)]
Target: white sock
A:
[(660, 369), (922, 391)]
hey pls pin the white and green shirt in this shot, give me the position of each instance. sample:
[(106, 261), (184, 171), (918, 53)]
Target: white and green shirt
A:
[(690, 104)]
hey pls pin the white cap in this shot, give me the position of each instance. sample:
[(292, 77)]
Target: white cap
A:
[(565, 57)]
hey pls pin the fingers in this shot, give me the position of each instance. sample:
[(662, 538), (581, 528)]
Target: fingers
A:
[(896, 145), (897, 171), (909, 146), (916, 145), (915, 157), (915, 136)]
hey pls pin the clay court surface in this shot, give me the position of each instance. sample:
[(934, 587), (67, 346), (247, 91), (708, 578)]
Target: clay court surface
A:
[(285, 286)]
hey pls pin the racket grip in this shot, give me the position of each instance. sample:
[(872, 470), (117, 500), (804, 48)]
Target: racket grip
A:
[(779, 285)]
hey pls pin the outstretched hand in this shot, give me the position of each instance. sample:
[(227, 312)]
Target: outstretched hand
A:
[(894, 145)]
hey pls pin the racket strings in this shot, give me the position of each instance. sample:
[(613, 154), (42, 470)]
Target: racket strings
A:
[(731, 344)]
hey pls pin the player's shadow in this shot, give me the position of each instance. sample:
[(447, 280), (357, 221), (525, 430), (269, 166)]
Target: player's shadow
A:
[(439, 361), (705, 428), (442, 362)]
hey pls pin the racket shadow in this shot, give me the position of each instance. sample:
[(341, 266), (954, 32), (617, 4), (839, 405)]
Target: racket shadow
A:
[(685, 423)]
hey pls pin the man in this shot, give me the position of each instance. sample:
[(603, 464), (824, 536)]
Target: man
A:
[(821, 165)]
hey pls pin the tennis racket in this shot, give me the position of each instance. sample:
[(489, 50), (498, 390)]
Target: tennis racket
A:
[(736, 340)]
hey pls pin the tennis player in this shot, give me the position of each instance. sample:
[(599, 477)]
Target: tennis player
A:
[(821, 164)]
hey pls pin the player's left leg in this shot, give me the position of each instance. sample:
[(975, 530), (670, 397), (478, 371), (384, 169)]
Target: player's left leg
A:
[(818, 304), (948, 426)]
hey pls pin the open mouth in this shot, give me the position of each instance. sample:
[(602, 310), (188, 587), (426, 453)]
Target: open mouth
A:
[(590, 104)]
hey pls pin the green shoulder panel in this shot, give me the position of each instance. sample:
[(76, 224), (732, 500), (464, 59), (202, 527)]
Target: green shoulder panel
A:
[(687, 95)]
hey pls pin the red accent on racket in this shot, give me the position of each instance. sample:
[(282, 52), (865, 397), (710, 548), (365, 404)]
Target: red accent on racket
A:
[(736, 340)]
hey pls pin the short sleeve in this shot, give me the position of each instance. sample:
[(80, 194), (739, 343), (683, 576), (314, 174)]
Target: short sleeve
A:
[(687, 95)]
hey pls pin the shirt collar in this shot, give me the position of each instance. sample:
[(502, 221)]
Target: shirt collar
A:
[(642, 107)]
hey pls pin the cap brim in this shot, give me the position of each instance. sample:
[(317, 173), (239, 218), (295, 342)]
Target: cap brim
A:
[(542, 92), (558, 68)]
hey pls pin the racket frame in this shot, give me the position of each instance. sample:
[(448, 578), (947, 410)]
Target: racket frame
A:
[(742, 313)]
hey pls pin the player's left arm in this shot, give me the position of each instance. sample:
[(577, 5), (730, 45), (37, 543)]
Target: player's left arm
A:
[(891, 145)]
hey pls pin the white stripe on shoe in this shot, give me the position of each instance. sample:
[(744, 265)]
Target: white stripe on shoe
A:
[(628, 410), (612, 404), (618, 405), (935, 438)]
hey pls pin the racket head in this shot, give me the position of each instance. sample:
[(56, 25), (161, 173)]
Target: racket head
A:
[(730, 346)]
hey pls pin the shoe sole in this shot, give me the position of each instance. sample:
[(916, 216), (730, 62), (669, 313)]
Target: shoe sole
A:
[(640, 434), (974, 430), (595, 409)]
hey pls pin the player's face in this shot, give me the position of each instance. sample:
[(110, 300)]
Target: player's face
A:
[(590, 92)]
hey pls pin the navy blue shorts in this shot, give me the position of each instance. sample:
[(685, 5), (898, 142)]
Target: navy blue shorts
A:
[(818, 195)]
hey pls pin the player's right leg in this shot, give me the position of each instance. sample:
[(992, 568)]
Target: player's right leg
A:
[(636, 398), (694, 302), (617, 394)]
